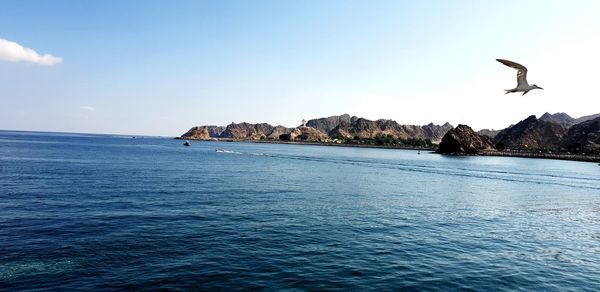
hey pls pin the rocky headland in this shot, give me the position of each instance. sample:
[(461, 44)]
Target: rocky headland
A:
[(343, 129), (556, 136), (545, 137), (203, 132)]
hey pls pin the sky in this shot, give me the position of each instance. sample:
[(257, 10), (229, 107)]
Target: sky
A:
[(161, 67)]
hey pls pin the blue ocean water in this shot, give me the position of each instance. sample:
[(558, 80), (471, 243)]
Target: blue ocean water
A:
[(98, 212)]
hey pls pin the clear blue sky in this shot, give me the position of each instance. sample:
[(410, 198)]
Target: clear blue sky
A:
[(160, 67)]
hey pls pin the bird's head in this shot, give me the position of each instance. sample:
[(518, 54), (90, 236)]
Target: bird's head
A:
[(537, 87)]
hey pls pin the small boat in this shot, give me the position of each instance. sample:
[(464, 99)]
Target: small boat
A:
[(219, 150), (187, 143)]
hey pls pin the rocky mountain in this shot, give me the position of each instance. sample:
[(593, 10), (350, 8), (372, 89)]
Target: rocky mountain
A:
[(531, 134), (203, 132), (278, 131), (215, 131), (308, 134), (237, 131), (489, 133), (565, 120), (248, 131), (562, 119), (463, 140), (586, 118), (436, 132), (326, 125), (363, 128), (346, 127), (584, 136), (198, 133)]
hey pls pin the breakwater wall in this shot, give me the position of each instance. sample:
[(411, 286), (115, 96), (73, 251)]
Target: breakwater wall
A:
[(544, 155)]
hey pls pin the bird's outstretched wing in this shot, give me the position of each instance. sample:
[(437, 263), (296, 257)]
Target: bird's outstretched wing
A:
[(521, 71)]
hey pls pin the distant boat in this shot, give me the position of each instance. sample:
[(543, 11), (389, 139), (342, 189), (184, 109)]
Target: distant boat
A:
[(219, 150), (187, 143), (418, 152)]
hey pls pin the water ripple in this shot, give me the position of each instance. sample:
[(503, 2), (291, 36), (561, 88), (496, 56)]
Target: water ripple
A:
[(107, 213)]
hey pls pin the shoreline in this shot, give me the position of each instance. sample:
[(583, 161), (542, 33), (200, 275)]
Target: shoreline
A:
[(542, 155), (497, 153), (311, 143)]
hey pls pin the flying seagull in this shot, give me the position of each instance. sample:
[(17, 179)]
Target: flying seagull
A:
[(522, 85)]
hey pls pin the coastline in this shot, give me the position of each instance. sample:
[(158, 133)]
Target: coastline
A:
[(312, 143), (542, 155), (497, 153)]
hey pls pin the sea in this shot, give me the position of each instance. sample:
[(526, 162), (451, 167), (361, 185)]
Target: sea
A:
[(111, 212)]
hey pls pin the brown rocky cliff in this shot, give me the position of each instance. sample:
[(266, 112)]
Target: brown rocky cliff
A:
[(562, 119), (490, 133), (215, 131), (198, 133), (278, 131), (463, 140), (309, 134), (344, 126), (364, 128), (247, 131), (585, 135), (531, 134), (326, 125), (436, 132)]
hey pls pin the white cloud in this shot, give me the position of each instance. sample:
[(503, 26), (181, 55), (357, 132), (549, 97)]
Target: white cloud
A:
[(87, 108), (13, 52)]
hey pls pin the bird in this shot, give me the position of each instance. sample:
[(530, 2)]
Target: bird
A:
[(522, 85)]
